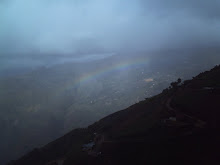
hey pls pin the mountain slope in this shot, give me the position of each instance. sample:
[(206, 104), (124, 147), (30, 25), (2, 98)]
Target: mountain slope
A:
[(178, 126)]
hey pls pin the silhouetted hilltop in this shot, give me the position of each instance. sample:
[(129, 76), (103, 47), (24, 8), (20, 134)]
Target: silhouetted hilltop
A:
[(178, 126)]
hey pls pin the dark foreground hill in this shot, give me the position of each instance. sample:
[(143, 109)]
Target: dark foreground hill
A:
[(179, 126)]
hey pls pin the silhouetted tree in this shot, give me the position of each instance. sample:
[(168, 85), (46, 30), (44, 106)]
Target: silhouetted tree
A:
[(176, 83), (179, 81)]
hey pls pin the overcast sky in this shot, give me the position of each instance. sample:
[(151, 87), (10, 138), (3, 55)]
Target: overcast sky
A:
[(88, 26)]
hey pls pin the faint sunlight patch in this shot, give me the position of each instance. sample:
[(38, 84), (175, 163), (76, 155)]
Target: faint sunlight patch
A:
[(148, 80)]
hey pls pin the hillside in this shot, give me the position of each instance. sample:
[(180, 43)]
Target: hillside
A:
[(178, 126), (45, 103)]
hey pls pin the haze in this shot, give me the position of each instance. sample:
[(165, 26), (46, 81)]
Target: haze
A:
[(73, 27), (66, 64)]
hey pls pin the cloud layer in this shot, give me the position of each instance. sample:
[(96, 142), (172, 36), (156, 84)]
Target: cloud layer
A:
[(70, 27)]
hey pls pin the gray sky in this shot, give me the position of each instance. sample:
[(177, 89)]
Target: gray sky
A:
[(87, 26)]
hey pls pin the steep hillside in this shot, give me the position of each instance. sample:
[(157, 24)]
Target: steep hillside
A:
[(178, 126)]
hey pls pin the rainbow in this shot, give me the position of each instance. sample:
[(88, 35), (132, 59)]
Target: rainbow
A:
[(120, 66)]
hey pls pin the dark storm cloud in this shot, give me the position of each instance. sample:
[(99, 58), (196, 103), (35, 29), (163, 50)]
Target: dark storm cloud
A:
[(67, 27)]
